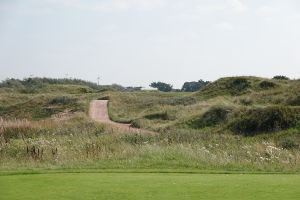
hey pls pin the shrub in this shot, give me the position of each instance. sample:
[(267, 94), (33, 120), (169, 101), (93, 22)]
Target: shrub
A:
[(85, 90), (194, 86), (266, 85), (289, 143), (267, 119), (294, 101), (136, 123), (164, 87), (238, 85), (104, 98), (280, 77), (161, 116), (62, 100), (213, 116)]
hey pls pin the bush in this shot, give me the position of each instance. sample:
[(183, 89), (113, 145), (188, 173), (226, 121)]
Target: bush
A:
[(136, 123), (289, 143), (238, 85), (62, 100), (104, 98), (214, 116), (164, 87), (194, 86), (161, 116), (266, 85), (280, 77), (294, 101), (267, 119)]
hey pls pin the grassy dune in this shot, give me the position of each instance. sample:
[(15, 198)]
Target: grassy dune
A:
[(229, 125)]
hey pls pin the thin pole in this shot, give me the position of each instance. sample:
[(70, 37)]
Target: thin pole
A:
[(98, 80)]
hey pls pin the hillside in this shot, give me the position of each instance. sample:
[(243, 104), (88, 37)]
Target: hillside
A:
[(235, 123), (223, 104)]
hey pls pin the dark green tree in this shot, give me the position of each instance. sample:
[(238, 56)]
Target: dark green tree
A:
[(164, 87), (194, 86), (280, 77)]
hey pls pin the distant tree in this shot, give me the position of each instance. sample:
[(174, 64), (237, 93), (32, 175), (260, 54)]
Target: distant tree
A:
[(194, 85), (280, 77), (164, 87), (133, 89)]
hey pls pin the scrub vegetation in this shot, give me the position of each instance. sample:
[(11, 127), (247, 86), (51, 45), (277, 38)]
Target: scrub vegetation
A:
[(245, 124)]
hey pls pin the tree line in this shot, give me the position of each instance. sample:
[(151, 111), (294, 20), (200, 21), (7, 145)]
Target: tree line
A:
[(187, 86)]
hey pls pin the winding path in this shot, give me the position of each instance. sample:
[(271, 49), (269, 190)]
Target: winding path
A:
[(99, 112)]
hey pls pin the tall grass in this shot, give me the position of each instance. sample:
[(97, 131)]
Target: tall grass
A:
[(57, 133), (80, 143)]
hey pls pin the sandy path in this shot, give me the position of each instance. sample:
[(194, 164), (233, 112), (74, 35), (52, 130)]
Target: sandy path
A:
[(99, 112)]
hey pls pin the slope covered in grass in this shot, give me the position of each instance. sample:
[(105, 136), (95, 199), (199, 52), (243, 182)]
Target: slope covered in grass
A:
[(253, 126)]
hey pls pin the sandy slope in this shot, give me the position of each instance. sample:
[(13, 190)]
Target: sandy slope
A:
[(99, 112)]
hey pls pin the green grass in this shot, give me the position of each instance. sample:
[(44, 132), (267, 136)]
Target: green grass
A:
[(195, 129), (149, 186)]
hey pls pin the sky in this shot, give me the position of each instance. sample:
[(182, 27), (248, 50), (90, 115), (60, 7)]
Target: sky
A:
[(136, 42)]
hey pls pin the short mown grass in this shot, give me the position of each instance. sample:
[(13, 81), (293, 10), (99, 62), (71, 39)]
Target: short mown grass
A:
[(149, 186)]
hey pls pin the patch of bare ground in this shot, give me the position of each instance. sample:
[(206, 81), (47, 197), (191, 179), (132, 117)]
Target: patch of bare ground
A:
[(99, 112)]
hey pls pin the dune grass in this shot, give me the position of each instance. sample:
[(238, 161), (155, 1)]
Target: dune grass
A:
[(195, 129), (149, 186)]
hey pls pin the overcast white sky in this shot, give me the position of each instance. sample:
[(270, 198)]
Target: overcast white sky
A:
[(135, 42)]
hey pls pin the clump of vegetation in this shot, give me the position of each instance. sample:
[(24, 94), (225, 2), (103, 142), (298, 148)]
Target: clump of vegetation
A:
[(294, 101), (233, 86), (194, 86), (281, 77), (290, 142), (238, 85), (164, 87), (247, 101), (160, 116), (267, 84), (62, 100), (267, 119), (104, 98), (136, 123), (213, 116)]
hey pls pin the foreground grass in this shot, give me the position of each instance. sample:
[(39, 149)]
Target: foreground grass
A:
[(149, 186), (78, 143)]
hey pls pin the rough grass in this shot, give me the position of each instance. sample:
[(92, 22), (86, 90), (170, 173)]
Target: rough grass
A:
[(267, 119), (80, 143), (267, 84), (55, 138), (213, 116), (235, 93)]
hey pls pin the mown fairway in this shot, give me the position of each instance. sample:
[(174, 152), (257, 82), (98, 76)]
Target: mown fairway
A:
[(149, 186)]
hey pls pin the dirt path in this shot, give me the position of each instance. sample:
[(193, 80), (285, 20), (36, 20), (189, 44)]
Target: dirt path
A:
[(99, 112)]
